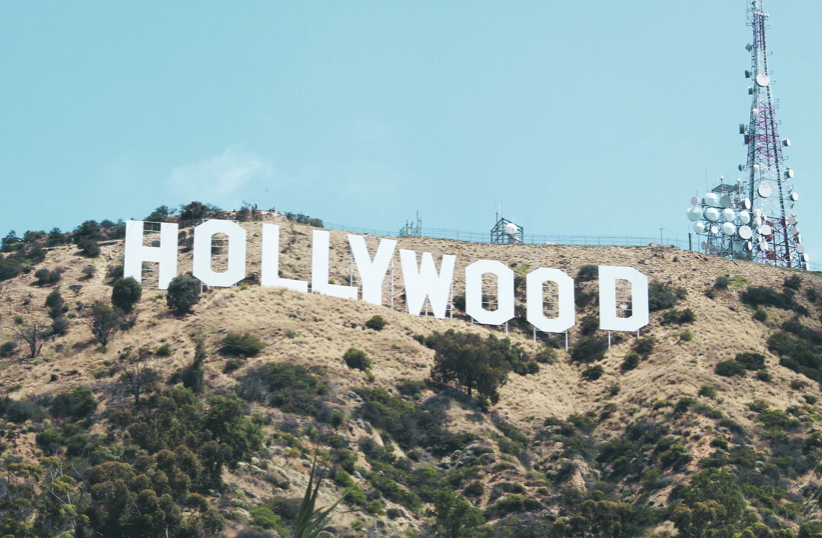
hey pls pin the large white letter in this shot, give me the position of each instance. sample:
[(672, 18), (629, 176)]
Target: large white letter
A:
[(236, 253), (423, 281), (565, 300), (270, 276), (372, 273), (505, 292), (608, 320), (320, 242), (136, 253)]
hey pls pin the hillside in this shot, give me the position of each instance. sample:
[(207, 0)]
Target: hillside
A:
[(663, 445)]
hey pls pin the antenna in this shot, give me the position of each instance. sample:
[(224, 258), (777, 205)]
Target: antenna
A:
[(754, 218)]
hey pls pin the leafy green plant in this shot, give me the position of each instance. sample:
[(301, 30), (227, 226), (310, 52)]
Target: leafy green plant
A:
[(244, 345), (311, 521), (356, 358), (377, 323)]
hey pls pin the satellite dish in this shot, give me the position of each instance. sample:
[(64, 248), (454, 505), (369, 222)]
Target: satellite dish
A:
[(711, 199), (728, 215), (806, 258), (699, 227), (704, 245), (756, 169), (745, 232), (792, 221), (755, 112), (714, 230), (729, 228), (749, 47), (712, 214), (725, 201), (747, 74), (788, 173), (746, 203), (764, 230), (800, 249), (757, 212), (748, 246), (694, 213), (762, 80), (511, 228), (786, 142), (793, 212), (694, 200), (764, 191), (794, 196), (794, 231), (744, 217)]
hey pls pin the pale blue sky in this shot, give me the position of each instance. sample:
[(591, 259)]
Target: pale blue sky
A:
[(587, 117)]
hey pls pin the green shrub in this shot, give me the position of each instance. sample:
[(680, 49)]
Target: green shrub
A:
[(793, 282), (760, 315), (751, 361), (589, 325), (290, 387), (60, 326), (357, 359), (708, 391), (589, 349), (183, 293), (679, 317), (546, 355), (662, 296), (720, 442), (44, 276), (232, 365), (8, 349), (729, 369), (163, 351), (765, 296), (377, 323), (587, 273), (88, 248), (631, 361), (686, 336), (474, 489), (126, 293), (49, 440), (244, 345), (593, 373), (645, 346), (76, 403), (722, 282)]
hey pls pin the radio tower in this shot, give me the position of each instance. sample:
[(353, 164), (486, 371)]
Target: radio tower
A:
[(776, 239)]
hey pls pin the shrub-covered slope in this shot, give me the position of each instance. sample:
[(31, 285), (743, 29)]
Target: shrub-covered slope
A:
[(205, 423)]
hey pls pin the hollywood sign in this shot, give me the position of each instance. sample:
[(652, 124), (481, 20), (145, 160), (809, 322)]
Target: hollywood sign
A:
[(422, 280)]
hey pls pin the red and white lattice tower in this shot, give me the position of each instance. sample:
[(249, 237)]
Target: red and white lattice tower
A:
[(776, 239)]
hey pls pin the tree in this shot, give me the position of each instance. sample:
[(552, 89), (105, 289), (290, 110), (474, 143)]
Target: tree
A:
[(89, 248), (54, 302), (126, 293), (456, 518), (159, 214), (183, 292), (193, 375), (137, 374), (471, 362), (356, 358), (193, 211), (104, 321), (33, 334)]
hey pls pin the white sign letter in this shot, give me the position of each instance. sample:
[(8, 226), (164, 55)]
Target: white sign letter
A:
[(136, 253), (271, 262), (372, 273), (236, 253), (320, 242), (565, 301), (608, 320), (423, 281), (505, 292)]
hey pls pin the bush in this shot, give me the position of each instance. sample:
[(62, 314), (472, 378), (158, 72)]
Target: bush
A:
[(163, 351), (722, 282), (760, 315), (589, 349), (793, 282), (8, 349), (765, 296), (290, 387), (126, 293), (474, 363), (54, 302), (686, 336), (357, 359), (44, 276), (232, 365), (645, 346), (678, 316), (729, 369), (114, 272), (661, 296), (60, 326), (89, 248), (88, 271), (751, 361), (587, 273), (183, 293), (593, 373), (49, 440), (707, 390), (377, 323), (763, 375), (76, 403), (631, 361), (244, 345), (720, 442)]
